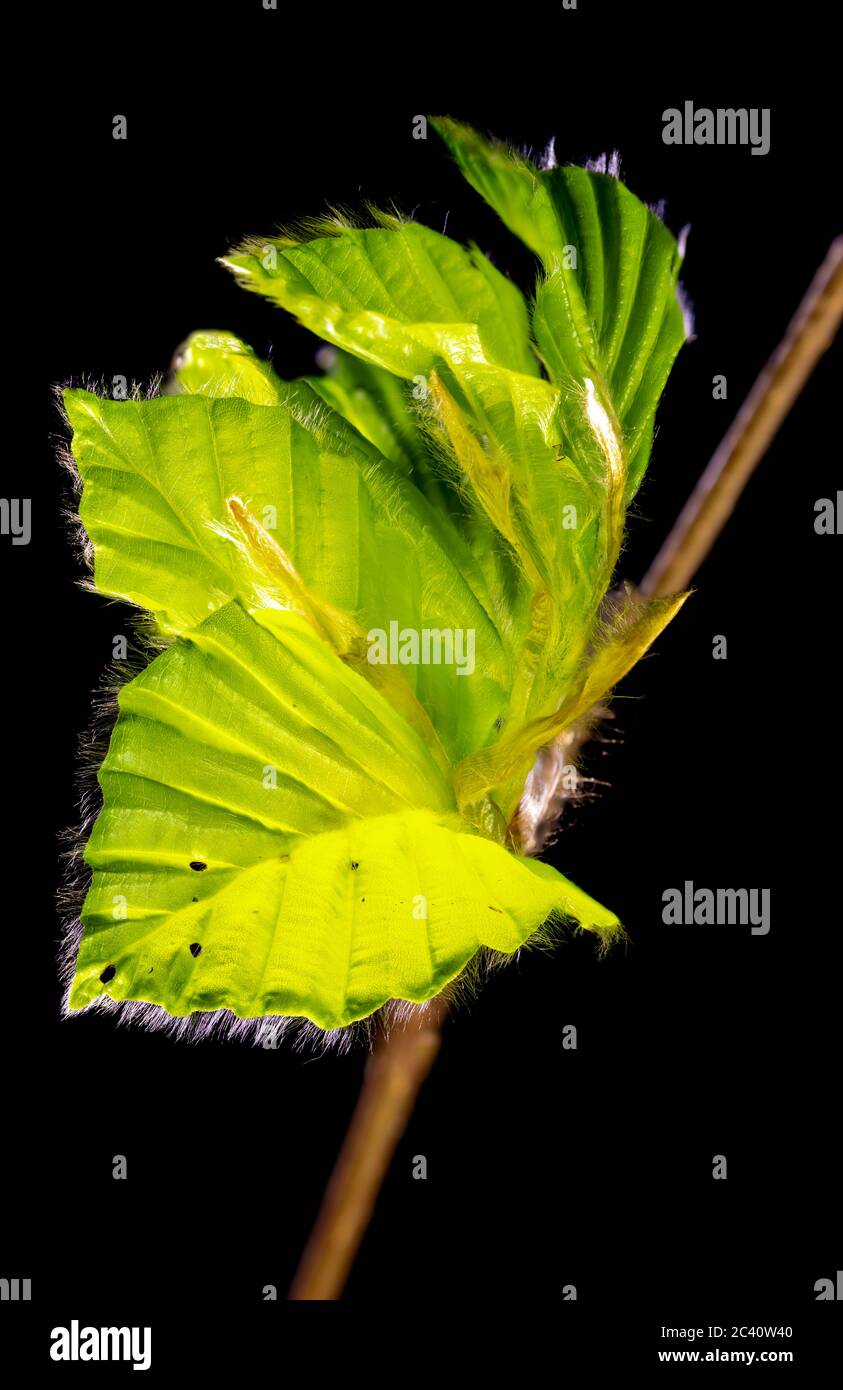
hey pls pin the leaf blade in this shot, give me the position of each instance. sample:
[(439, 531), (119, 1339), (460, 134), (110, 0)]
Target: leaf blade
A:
[(301, 895)]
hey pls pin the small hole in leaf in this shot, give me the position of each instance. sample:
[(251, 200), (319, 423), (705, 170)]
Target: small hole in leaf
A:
[(198, 865), (195, 948), (108, 974), (355, 864)]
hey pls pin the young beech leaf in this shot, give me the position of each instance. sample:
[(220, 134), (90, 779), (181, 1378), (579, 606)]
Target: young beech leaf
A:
[(219, 364), (331, 818), (609, 311), (400, 296), (159, 476), (320, 821)]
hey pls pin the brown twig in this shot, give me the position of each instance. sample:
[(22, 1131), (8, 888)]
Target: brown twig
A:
[(712, 501), (402, 1061), (393, 1079)]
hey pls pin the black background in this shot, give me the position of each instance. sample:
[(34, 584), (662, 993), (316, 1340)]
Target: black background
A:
[(546, 1167)]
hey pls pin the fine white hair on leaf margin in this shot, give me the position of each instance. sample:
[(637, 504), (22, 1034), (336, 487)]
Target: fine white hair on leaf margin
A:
[(687, 311), (605, 164), (548, 159)]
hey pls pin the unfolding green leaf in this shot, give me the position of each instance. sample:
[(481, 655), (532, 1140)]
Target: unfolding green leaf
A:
[(276, 840), (402, 297), (220, 364), (610, 311), (158, 476)]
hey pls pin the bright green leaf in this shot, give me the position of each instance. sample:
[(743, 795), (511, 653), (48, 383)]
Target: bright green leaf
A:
[(275, 840), (214, 363), (608, 308), (157, 479), (402, 297)]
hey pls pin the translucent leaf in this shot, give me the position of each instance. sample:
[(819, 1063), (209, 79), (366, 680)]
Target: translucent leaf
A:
[(158, 479), (215, 363), (607, 308), (276, 840), (401, 297)]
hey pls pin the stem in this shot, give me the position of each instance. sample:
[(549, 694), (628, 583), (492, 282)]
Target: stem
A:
[(712, 501), (401, 1062), (393, 1078)]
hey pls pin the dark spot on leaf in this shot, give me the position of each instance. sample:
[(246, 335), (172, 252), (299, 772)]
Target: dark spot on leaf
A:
[(495, 909), (499, 723), (108, 974), (195, 948), (198, 865), (194, 900), (362, 900), (355, 864), (150, 970)]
